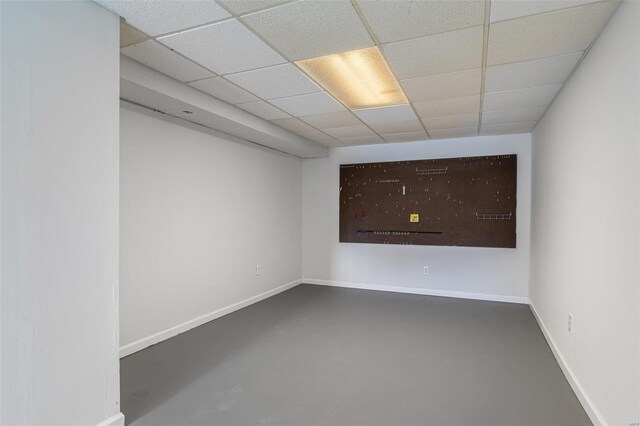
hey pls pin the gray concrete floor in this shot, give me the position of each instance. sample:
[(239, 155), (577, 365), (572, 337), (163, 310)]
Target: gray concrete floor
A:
[(329, 356)]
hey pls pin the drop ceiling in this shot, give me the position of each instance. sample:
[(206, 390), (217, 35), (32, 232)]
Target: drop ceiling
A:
[(467, 67)]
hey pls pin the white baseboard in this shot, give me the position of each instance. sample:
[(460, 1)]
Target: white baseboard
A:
[(188, 325), (422, 291), (587, 404), (117, 420)]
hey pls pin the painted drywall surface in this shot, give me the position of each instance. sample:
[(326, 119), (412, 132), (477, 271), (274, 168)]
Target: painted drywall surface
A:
[(488, 271), (585, 221), (59, 201), (0, 219), (199, 211)]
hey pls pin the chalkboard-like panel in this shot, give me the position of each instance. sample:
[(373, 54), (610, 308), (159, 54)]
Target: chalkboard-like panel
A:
[(468, 201)]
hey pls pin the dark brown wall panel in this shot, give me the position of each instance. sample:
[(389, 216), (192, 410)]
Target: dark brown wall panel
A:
[(468, 201)]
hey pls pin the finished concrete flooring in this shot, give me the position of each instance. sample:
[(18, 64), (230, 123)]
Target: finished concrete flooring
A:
[(329, 356)]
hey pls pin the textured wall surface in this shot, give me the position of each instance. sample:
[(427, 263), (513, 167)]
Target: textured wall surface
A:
[(59, 198), (199, 212), (585, 222)]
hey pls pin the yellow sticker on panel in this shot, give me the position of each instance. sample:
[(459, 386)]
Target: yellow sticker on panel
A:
[(414, 217)]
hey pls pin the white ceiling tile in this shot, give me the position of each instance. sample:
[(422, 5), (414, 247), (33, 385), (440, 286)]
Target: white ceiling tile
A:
[(294, 125), (316, 136), (548, 34), (130, 35), (386, 114), (314, 103), (275, 82), (400, 20), (436, 54), (157, 17), (515, 115), (530, 97), (390, 119), (245, 6), (308, 29), (506, 129), (362, 140), (349, 131), (154, 55), (463, 132), (451, 106), (226, 47), (451, 122), (402, 126), (264, 110), (332, 143), (331, 119), (406, 137), (442, 86), (222, 89), (509, 9), (537, 72)]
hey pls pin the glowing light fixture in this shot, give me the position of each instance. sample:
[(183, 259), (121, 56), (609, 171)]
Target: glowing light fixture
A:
[(359, 79)]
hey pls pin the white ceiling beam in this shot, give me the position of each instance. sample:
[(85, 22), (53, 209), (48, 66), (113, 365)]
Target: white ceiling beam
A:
[(144, 86)]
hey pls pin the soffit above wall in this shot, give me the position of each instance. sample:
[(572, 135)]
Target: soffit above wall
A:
[(147, 87)]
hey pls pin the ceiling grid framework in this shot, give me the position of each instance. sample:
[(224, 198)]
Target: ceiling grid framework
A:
[(485, 48), (318, 134), (391, 136), (467, 67), (293, 121)]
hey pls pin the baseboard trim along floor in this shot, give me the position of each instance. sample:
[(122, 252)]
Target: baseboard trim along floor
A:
[(582, 396), (117, 420), (188, 325), (584, 399), (138, 345), (317, 355), (421, 291)]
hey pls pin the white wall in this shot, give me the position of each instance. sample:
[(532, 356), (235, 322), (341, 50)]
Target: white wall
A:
[(490, 273), (585, 223), (199, 210), (59, 208)]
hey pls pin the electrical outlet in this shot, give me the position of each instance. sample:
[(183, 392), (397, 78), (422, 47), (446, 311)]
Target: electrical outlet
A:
[(257, 269), (570, 324), (426, 270)]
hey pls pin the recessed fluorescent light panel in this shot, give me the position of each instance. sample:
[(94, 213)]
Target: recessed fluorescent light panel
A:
[(359, 78)]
